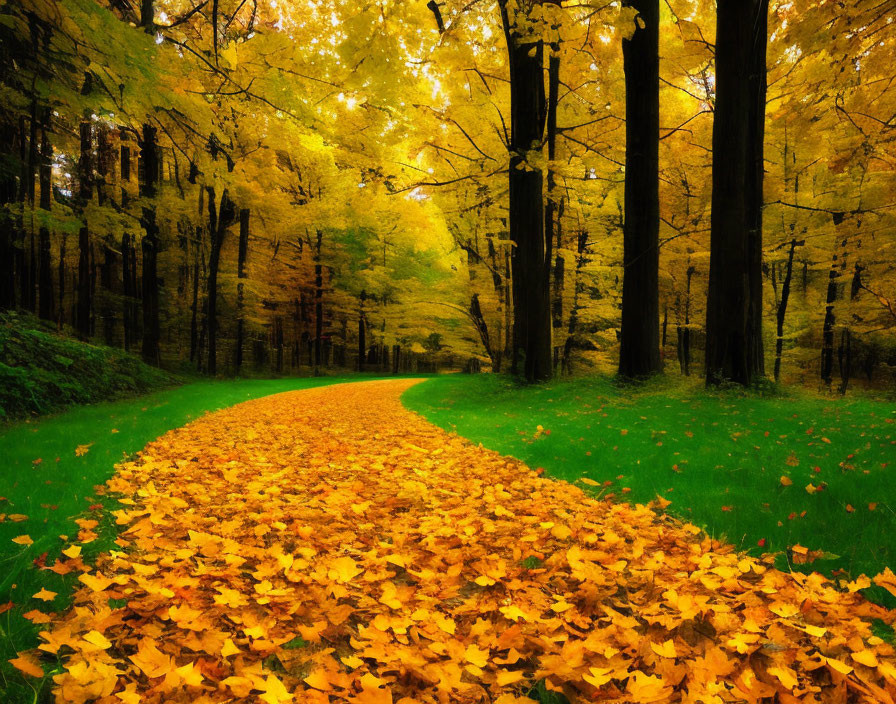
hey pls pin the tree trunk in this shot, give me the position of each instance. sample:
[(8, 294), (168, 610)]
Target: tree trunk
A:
[(194, 306), (240, 275), (362, 335), (46, 296), (127, 290), (758, 88), (318, 302), (733, 315), (782, 307), (7, 222), (639, 352), (530, 261), (578, 290), (85, 193), (838, 266), (218, 222), (150, 156)]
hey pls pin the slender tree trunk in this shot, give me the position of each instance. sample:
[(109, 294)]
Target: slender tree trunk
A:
[(46, 297), (85, 185), (733, 317), (150, 156), (639, 353), (838, 266), (127, 291), (782, 307), (318, 302), (578, 290), (218, 222), (194, 306), (240, 275), (7, 222), (362, 334), (530, 259), (60, 317), (23, 265)]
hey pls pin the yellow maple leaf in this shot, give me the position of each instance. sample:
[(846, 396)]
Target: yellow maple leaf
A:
[(23, 540), (45, 595), (82, 450)]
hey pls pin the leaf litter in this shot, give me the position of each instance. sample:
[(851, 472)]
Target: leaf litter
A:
[(329, 546)]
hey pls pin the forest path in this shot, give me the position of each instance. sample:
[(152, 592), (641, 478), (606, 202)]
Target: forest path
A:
[(328, 545)]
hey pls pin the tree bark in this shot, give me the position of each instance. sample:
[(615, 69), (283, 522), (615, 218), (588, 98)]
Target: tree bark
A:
[(362, 334), (150, 245), (782, 307), (639, 352), (218, 222), (240, 275), (530, 261), (85, 193), (7, 223), (46, 297), (733, 316), (318, 302)]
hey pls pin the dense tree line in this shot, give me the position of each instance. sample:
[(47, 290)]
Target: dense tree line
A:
[(523, 186)]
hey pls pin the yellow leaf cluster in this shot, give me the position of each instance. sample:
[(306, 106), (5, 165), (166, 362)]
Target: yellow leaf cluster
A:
[(248, 576)]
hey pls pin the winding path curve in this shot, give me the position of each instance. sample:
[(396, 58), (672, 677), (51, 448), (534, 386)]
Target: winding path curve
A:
[(328, 545)]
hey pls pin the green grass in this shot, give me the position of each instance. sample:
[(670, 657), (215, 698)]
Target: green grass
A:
[(42, 371), (718, 457), (43, 479)]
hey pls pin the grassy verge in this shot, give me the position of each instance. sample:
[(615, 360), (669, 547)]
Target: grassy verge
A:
[(765, 473), (51, 467), (42, 371)]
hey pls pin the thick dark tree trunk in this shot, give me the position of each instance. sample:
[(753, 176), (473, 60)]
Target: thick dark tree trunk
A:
[(240, 275), (733, 311), (46, 296), (149, 154), (530, 259), (639, 350)]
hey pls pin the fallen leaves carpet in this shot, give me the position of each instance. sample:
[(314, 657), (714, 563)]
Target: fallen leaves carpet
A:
[(330, 546)]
